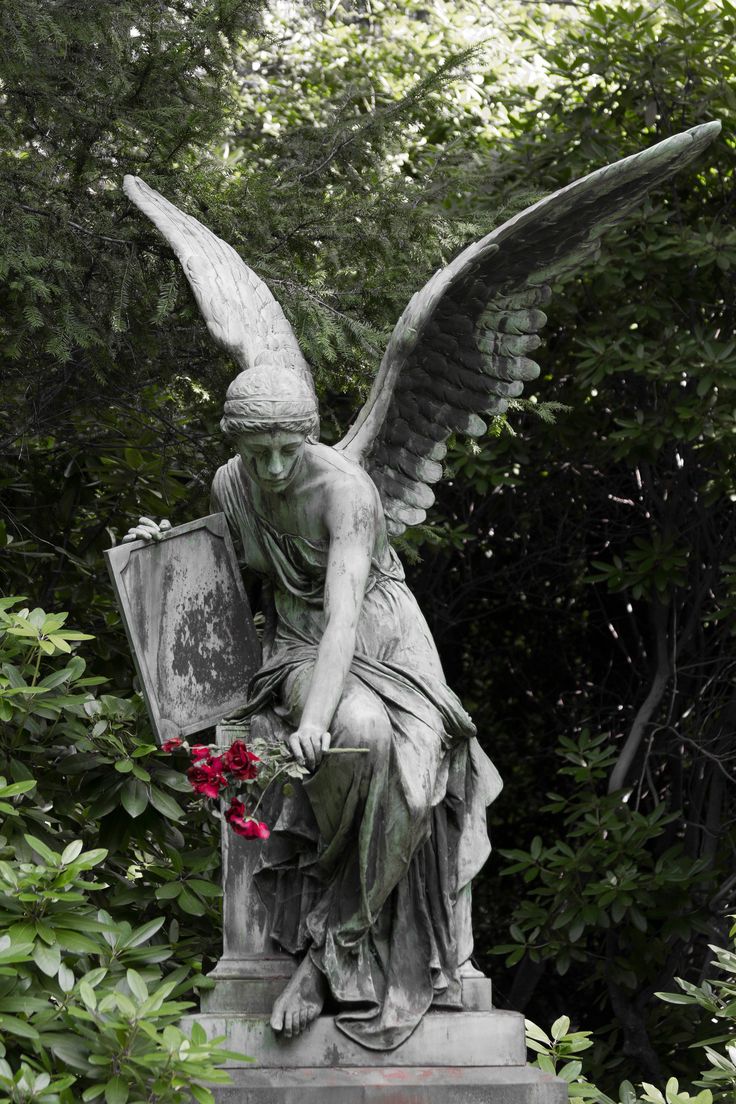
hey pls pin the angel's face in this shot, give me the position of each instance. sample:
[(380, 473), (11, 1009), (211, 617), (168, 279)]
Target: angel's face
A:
[(272, 458)]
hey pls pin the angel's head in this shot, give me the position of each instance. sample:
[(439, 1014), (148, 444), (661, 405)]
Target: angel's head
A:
[(270, 413)]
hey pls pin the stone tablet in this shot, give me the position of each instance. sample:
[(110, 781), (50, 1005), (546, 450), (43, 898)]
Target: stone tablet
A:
[(189, 624)]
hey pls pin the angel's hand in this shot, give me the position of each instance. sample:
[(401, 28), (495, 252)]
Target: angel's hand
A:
[(308, 745), (146, 529)]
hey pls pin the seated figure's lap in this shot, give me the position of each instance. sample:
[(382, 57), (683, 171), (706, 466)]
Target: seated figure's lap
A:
[(360, 719)]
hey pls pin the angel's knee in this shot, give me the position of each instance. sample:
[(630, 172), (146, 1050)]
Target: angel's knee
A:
[(362, 721)]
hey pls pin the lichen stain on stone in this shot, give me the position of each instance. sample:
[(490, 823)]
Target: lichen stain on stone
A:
[(207, 653)]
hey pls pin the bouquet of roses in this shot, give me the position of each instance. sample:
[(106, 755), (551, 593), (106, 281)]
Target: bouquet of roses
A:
[(241, 774)]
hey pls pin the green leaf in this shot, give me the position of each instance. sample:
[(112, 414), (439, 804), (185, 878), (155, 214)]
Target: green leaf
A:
[(189, 903), (206, 889), (78, 942), (18, 1027), (66, 978), (534, 1032), (143, 933), (72, 851), (50, 857), (198, 1034), (169, 890), (134, 797), (55, 678), (48, 959), (89, 859), (16, 788), (165, 804), (116, 1091), (201, 1094), (626, 1093), (560, 1028), (137, 985), (87, 994), (570, 1071)]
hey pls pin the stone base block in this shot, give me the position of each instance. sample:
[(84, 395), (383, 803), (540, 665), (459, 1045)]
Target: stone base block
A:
[(477, 994), (457, 1039), (393, 1085), (253, 983)]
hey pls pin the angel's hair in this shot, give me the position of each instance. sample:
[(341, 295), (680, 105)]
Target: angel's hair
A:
[(268, 399)]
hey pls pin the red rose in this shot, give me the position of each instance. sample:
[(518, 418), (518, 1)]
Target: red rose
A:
[(199, 751), (172, 743), (207, 777), (244, 825), (240, 762)]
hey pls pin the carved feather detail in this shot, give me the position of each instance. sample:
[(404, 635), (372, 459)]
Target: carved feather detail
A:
[(460, 348), (240, 311)]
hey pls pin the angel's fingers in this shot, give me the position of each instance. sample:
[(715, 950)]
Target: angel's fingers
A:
[(296, 749), (148, 521), (317, 750), (326, 741), (165, 525), (309, 754)]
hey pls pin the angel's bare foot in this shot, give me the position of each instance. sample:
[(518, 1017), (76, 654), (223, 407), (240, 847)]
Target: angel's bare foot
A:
[(301, 1001)]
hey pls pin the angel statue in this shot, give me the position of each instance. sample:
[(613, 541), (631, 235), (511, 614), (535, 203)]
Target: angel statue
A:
[(367, 875)]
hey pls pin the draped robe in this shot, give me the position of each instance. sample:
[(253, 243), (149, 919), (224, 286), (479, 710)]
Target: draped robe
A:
[(369, 865)]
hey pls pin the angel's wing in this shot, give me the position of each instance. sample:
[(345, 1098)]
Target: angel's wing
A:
[(241, 313), (459, 349)]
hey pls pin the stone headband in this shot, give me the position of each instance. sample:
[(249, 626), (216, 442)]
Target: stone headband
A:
[(269, 410)]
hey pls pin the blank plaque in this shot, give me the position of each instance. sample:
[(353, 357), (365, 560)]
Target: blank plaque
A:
[(189, 624)]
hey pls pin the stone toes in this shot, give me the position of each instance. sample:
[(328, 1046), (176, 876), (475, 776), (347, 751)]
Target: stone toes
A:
[(304, 1019), (277, 1018)]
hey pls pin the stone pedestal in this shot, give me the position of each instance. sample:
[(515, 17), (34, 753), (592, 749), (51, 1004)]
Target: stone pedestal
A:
[(252, 971), (452, 1058), (475, 1056), (395, 1085)]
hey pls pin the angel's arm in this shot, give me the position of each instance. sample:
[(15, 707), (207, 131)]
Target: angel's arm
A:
[(352, 519)]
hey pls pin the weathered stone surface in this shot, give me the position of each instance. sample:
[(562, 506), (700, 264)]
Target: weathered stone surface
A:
[(394, 1085), (477, 994), (252, 971), (188, 623), (442, 1038)]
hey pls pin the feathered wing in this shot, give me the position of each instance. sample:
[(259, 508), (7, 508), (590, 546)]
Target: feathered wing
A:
[(240, 311), (460, 348)]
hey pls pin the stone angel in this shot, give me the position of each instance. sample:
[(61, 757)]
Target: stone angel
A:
[(367, 875)]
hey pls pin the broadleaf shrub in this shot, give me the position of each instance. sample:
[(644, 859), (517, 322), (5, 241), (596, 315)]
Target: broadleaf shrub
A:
[(93, 981)]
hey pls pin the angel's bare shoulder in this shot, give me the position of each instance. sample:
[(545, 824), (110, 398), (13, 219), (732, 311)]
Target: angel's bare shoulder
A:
[(349, 491)]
